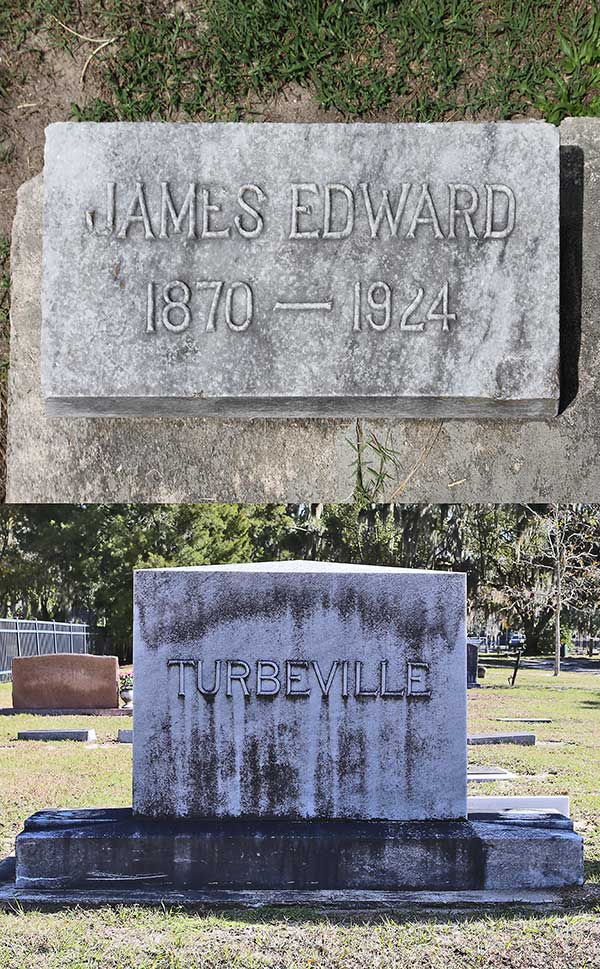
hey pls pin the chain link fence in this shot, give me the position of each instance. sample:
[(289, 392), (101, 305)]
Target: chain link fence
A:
[(33, 637)]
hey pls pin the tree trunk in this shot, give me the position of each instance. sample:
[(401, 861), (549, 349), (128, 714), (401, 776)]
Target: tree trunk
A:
[(558, 611), (532, 640)]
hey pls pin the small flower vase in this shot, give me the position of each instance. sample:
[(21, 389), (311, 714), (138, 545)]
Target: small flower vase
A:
[(127, 697)]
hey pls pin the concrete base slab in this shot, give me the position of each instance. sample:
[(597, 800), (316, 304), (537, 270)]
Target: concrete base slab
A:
[(110, 849), (83, 736), (10, 896), (496, 804), (479, 739)]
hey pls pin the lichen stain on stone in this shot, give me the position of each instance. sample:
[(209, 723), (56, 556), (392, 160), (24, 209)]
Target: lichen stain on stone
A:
[(324, 768), (205, 765), (159, 761), (352, 756), (217, 604), (269, 780)]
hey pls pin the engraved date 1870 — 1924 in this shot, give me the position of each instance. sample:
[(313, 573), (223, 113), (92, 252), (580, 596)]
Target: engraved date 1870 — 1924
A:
[(176, 305)]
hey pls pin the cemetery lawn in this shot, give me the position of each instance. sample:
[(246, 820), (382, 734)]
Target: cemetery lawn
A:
[(566, 760)]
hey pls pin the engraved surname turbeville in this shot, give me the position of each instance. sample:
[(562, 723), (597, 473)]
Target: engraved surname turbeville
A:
[(329, 211), (299, 677)]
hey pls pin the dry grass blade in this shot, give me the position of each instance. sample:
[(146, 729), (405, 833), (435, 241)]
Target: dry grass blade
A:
[(418, 463), (90, 40), (100, 47)]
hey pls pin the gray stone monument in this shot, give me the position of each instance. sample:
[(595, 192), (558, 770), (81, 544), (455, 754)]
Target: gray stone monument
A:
[(299, 729), (403, 270), (300, 690)]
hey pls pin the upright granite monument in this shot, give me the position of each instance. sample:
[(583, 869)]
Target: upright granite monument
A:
[(299, 727), (300, 690), (289, 270)]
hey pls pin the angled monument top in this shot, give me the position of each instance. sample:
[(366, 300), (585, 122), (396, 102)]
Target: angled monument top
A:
[(297, 565), (297, 269)]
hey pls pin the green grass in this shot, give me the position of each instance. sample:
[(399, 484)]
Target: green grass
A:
[(297, 940), (118, 939), (418, 60), (36, 775), (567, 750), (66, 774)]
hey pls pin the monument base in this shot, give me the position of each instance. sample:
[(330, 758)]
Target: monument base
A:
[(110, 849)]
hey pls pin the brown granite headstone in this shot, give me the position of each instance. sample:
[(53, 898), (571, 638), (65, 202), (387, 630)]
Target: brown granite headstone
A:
[(66, 681)]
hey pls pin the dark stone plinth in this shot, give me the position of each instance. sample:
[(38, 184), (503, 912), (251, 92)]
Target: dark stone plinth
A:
[(112, 848)]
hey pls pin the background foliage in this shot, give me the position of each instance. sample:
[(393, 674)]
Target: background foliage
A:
[(76, 561)]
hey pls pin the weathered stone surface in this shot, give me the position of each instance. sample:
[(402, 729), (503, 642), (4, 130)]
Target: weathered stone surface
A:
[(301, 270), (69, 849), (340, 692), (299, 460), (524, 739), (147, 460), (66, 681), (83, 736)]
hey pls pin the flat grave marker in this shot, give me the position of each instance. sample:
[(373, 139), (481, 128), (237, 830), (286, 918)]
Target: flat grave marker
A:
[(83, 736), (489, 773), (301, 270), (523, 739), (523, 720)]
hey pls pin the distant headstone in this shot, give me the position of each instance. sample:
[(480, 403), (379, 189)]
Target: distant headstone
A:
[(125, 737), (65, 681), (299, 690), (304, 269), (472, 664)]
